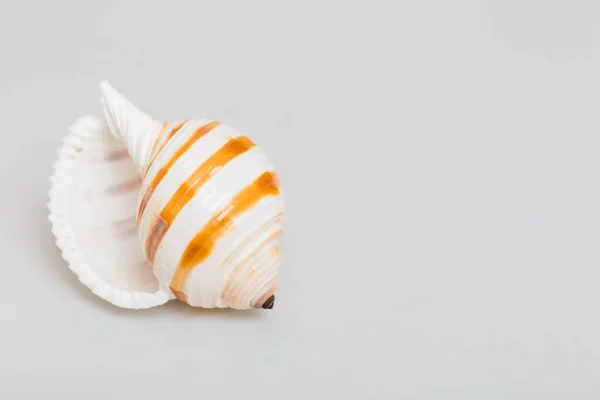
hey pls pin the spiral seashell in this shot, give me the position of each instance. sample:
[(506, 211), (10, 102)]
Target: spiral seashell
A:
[(207, 215)]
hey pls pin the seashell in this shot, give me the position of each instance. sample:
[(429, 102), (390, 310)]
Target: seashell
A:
[(146, 211)]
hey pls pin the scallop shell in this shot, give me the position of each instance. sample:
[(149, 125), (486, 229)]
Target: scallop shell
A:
[(146, 211)]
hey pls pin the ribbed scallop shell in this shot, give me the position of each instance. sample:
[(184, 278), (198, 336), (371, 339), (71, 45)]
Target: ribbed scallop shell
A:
[(210, 208), (95, 187)]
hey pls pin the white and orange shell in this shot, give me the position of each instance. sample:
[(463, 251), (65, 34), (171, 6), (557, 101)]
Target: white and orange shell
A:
[(156, 211)]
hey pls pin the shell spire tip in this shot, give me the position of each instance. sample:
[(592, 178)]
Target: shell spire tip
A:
[(128, 123)]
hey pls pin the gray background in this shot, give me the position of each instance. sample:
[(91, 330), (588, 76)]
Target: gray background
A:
[(440, 161)]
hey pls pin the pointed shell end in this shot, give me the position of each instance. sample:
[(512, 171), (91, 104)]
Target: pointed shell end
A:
[(269, 303)]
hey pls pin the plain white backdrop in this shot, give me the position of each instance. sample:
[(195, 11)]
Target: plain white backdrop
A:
[(440, 162)]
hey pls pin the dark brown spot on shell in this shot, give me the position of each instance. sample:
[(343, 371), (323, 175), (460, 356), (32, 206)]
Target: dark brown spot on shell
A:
[(268, 304)]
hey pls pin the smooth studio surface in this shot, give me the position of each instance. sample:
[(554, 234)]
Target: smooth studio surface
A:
[(440, 162)]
